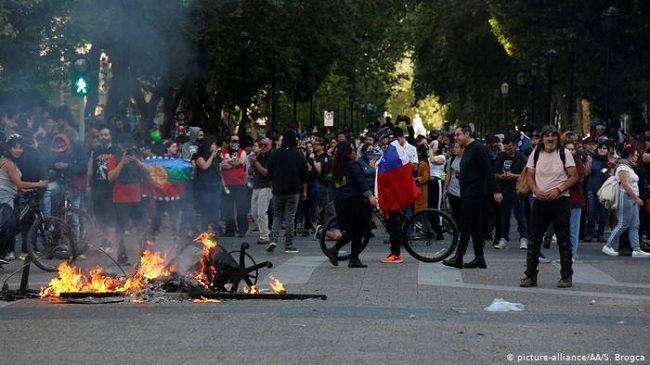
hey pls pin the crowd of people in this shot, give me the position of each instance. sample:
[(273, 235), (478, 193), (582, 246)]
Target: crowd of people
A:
[(241, 185)]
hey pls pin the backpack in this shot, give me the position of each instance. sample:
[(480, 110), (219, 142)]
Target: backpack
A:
[(522, 185), (608, 193)]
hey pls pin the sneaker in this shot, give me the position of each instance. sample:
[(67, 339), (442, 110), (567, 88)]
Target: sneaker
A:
[(528, 281), (3, 262), (271, 247), (290, 249), (523, 243), (640, 254), (22, 256), (501, 244), (317, 233), (543, 258), (609, 251), (81, 257), (546, 241), (565, 282), (554, 239), (393, 258), (262, 242), (10, 256)]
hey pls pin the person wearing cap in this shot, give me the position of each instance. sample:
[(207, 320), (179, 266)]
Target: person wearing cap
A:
[(534, 140), (127, 172), (551, 172)]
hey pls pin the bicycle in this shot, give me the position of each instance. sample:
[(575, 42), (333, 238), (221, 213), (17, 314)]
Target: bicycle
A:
[(430, 235), (50, 240)]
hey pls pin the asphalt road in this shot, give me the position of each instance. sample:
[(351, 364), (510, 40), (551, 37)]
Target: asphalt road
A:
[(409, 313)]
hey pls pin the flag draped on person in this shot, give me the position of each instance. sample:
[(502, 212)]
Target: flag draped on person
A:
[(169, 176), (395, 186)]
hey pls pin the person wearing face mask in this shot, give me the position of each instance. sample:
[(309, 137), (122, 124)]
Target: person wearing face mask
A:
[(234, 176)]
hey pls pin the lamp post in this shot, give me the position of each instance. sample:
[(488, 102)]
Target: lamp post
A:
[(609, 21), (572, 56), (550, 60), (521, 81), (533, 87), (497, 117), (245, 40), (504, 92)]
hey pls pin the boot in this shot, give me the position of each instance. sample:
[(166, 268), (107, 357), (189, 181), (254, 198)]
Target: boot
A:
[(356, 263)]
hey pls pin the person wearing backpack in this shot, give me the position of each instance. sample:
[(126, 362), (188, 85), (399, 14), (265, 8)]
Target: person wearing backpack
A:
[(550, 179), (629, 202)]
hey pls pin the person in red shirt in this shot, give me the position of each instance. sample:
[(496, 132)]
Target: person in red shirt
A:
[(234, 178), (127, 172)]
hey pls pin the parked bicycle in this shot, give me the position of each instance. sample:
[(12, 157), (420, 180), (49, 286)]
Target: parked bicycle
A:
[(50, 240), (430, 235)]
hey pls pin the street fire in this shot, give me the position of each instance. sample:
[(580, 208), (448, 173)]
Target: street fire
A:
[(215, 270), (277, 286), (206, 300)]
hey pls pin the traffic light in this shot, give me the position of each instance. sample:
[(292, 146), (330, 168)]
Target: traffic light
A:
[(80, 81)]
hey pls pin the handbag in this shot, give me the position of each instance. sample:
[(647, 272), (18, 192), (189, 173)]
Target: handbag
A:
[(522, 185), (608, 193)]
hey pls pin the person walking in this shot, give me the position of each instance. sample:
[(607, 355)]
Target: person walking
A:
[(351, 195), (287, 172), (261, 196), (551, 171), (628, 203), (476, 181)]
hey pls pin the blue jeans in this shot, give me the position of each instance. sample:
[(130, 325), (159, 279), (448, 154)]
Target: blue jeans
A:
[(575, 230), (284, 210), (510, 202), (628, 220), (596, 213)]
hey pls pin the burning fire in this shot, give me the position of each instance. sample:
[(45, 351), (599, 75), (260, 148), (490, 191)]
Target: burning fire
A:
[(203, 299), (252, 290), (153, 265), (277, 286), (73, 280)]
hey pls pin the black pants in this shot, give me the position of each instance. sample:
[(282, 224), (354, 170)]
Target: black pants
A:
[(543, 213), (470, 226), (8, 229), (395, 234), (354, 226), (238, 200)]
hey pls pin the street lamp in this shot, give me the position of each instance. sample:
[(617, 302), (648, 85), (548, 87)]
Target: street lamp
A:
[(609, 20), (533, 87), (245, 41), (550, 60), (572, 56), (521, 81), (504, 92)]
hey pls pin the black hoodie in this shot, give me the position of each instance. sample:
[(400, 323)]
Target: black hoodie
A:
[(287, 169)]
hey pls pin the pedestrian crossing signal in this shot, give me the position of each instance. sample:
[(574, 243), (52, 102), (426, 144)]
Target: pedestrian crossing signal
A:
[(80, 86)]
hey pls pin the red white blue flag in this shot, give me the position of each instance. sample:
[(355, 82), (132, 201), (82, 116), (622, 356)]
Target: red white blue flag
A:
[(395, 185)]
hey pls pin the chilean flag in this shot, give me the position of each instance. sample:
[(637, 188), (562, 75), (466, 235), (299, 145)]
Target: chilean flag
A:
[(395, 184), (169, 176)]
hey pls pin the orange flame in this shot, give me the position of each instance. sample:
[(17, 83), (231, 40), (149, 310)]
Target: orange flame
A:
[(277, 286), (203, 299), (206, 239), (252, 290), (73, 280)]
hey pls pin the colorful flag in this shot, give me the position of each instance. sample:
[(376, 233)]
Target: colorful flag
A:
[(395, 185), (524, 142), (169, 176)]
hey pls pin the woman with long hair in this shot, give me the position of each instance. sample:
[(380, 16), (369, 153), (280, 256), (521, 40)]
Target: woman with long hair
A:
[(209, 184), (352, 193), (628, 204), (10, 182)]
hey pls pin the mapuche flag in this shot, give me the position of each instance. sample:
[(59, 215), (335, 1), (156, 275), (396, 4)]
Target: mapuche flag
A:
[(395, 184), (169, 176)]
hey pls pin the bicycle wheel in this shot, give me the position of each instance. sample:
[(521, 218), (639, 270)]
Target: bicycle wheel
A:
[(86, 233), (331, 231), (431, 235), (50, 242)]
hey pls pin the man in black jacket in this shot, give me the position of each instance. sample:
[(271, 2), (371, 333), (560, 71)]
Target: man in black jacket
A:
[(287, 172), (476, 179)]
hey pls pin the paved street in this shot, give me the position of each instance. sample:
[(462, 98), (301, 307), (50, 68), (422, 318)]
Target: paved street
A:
[(410, 313)]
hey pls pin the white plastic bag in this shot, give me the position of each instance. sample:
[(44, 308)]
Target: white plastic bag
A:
[(500, 305)]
